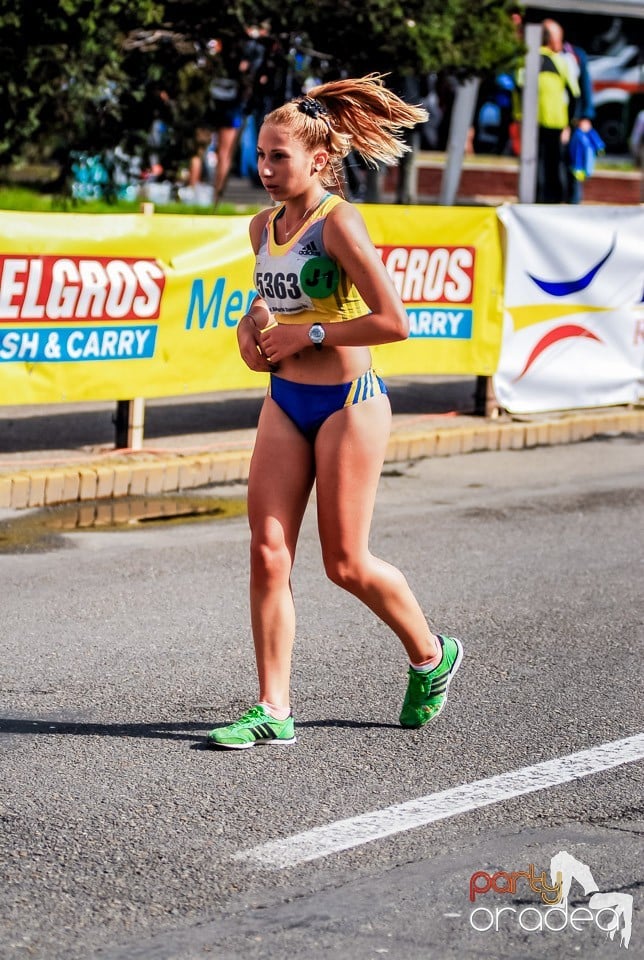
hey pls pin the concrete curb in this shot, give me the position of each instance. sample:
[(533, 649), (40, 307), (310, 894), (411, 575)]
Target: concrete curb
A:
[(144, 475)]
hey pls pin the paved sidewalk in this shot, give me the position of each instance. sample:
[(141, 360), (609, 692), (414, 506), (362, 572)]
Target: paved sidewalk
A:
[(66, 453)]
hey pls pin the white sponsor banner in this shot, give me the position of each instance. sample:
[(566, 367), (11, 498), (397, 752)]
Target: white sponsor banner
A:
[(573, 317)]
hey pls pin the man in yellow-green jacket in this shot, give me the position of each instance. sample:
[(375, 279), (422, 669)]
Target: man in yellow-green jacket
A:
[(558, 89)]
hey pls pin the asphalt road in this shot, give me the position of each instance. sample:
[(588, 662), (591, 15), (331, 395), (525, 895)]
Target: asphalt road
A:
[(120, 836)]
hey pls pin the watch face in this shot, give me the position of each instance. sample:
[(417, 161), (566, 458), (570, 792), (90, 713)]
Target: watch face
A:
[(317, 333)]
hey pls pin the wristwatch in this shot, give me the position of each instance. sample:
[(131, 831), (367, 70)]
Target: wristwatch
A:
[(317, 333)]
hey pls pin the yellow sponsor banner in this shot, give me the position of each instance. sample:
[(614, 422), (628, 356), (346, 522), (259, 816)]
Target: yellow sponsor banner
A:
[(446, 265), (102, 307)]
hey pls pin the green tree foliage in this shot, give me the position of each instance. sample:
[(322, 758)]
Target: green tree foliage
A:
[(414, 35), (82, 74), (61, 70)]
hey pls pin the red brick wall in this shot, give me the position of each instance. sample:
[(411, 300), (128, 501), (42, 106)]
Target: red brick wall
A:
[(502, 183)]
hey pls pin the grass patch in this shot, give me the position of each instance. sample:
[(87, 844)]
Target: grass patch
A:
[(35, 201), (616, 164)]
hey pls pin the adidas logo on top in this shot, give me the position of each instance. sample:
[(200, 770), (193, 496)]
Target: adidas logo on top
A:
[(309, 250)]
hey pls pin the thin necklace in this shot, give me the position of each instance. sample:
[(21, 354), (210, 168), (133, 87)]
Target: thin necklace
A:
[(287, 232)]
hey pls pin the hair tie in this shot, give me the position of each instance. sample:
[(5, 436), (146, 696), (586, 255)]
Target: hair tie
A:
[(312, 108)]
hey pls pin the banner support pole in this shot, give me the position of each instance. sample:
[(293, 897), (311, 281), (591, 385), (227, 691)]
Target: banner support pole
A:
[(130, 414)]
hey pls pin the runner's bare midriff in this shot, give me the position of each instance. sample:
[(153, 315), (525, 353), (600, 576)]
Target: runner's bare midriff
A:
[(330, 365)]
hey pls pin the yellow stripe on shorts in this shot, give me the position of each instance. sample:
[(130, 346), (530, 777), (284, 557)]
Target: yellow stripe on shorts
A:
[(362, 388)]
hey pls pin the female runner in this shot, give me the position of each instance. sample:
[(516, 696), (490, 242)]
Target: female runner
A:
[(324, 297)]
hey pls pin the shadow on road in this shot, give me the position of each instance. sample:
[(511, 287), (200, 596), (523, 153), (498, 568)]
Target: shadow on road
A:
[(171, 730)]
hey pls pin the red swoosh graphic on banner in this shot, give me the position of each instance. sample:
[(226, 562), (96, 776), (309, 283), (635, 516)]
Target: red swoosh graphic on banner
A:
[(553, 336)]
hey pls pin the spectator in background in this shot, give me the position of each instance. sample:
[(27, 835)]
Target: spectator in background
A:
[(203, 162), (160, 133), (231, 93), (581, 113), (225, 118), (491, 133), (557, 87)]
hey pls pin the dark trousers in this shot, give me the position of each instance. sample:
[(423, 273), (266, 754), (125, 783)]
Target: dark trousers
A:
[(550, 185), (575, 187)]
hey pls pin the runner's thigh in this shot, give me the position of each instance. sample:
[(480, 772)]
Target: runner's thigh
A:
[(349, 454), (281, 474)]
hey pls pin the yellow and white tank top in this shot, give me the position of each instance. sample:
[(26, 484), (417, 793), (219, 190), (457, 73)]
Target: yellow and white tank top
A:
[(298, 280)]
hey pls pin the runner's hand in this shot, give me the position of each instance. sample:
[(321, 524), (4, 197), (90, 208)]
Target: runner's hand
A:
[(248, 338), (281, 340)]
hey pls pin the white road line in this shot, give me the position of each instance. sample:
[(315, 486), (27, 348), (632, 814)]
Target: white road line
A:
[(353, 832)]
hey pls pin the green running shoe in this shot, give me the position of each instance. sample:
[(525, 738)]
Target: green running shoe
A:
[(427, 692), (253, 728)]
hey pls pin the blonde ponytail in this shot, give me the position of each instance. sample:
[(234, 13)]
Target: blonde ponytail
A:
[(354, 114)]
